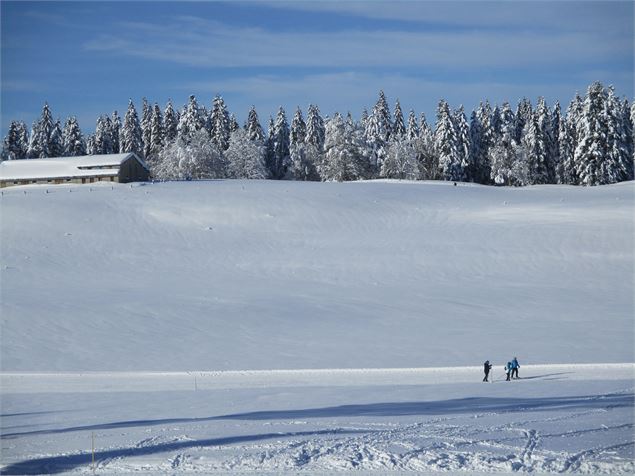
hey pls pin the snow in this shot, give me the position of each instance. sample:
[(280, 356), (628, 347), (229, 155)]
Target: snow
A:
[(241, 326), (62, 167)]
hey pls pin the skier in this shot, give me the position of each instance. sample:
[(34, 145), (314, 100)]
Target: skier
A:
[(486, 367), (508, 370), (515, 367)]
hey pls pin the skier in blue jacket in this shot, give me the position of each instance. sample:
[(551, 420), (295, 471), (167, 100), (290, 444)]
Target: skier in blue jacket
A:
[(515, 367)]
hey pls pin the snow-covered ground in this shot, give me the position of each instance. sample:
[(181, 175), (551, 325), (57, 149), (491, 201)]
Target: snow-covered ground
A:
[(160, 318)]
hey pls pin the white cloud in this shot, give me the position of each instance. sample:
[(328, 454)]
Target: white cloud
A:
[(200, 42)]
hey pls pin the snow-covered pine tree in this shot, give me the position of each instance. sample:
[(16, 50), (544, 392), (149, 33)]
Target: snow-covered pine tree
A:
[(399, 128), (481, 139), (281, 159), (568, 141), (537, 147), (270, 143), (56, 142), (364, 118), (15, 143), (413, 128), (617, 166), (72, 138), (446, 143), (463, 141), (556, 119), (233, 124), (504, 155), (90, 145), (115, 132), (541, 156), (219, 124), (378, 130), (303, 155), (103, 136), (191, 120), (496, 123), (315, 129), (146, 127), (523, 114), (245, 157), (130, 137), (253, 127), (39, 142), (592, 130), (170, 123), (298, 128), (157, 134)]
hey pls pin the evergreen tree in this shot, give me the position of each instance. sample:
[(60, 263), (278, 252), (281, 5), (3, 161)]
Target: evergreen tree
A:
[(220, 124), (115, 132), (90, 145), (315, 129), (568, 140), (130, 139), (146, 127), (56, 143), (506, 157), (523, 115), (280, 160), (556, 119), (617, 166), (364, 119), (462, 131), (270, 148), (72, 139), (157, 133), (191, 121), (103, 136), (496, 123), (398, 129), (298, 128), (447, 144), (413, 129), (40, 140), (253, 127), (15, 144), (481, 139), (537, 146), (233, 124), (592, 129), (170, 123), (378, 129)]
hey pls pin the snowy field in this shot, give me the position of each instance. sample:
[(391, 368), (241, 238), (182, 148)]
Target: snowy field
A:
[(184, 326)]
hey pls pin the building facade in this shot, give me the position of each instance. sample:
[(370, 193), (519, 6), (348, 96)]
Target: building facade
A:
[(121, 168)]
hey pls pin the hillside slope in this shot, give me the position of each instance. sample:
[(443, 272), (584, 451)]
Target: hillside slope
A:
[(266, 275)]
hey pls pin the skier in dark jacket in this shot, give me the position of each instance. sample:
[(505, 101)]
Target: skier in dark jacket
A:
[(515, 367), (486, 368)]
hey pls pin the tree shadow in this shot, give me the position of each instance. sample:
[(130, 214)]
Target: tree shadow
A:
[(440, 407), (64, 463)]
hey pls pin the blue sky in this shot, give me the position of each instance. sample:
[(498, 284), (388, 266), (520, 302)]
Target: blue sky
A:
[(88, 58)]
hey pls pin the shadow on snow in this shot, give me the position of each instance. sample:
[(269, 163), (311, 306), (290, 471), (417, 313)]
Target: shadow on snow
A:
[(58, 464)]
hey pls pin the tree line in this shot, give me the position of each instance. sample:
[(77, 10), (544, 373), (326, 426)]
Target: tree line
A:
[(591, 143)]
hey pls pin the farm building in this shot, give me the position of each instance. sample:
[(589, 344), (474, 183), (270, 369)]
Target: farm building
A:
[(84, 169)]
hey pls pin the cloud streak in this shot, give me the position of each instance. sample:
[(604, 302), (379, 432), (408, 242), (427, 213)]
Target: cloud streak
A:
[(199, 42)]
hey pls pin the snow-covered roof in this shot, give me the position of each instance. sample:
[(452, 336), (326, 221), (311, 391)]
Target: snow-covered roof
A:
[(61, 167)]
